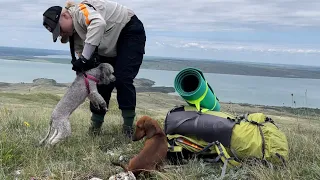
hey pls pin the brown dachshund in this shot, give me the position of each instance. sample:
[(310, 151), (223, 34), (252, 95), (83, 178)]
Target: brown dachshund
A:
[(155, 147)]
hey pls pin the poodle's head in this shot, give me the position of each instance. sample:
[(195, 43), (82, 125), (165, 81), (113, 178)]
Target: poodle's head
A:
[(104, 73)]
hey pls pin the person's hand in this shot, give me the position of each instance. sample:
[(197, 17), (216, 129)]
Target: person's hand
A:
[(82, 64), (76, 69)]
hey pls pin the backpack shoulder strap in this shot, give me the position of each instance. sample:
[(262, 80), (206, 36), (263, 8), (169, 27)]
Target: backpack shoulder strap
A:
[(71, 44), (223, 155), (90, 6), (225, 158)]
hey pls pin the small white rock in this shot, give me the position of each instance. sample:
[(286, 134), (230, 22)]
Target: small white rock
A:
[(123, 176), (121, 158), (110, 153), (17, 172), (95, 178)]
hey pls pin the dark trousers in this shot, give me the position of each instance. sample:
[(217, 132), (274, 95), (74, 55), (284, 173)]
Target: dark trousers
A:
[(130, 51)]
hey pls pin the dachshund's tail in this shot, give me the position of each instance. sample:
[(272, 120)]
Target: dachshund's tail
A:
[(121, 165)]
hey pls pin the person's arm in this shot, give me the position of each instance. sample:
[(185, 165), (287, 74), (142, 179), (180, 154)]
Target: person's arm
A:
[(95, 25), (88, 49), (78, 44)]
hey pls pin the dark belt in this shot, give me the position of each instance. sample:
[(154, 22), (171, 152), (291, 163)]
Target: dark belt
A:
[(110, 60)]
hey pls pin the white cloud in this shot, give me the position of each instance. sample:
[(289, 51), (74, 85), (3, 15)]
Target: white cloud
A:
[(233, 46), (24, 22), (190, 15), (211, 15), (235, 51)]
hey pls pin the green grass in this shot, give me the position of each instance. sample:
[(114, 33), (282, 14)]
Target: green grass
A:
[(45, 98), (82, 156)]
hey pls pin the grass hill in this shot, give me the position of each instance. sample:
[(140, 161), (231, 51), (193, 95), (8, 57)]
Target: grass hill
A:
[(25, 113)]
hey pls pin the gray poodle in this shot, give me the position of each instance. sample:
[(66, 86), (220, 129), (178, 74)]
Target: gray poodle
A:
[(84, 85)]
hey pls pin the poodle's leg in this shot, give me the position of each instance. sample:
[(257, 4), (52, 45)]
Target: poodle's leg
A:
[(59, 124), (95, 97), (46, 137), (58, 130), (97, 100), (62, 130), (92, 99)]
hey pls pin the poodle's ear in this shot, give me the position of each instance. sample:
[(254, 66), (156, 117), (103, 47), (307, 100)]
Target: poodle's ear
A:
[(106, 73)]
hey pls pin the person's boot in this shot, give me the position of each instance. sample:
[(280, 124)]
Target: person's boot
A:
[(127, 131), (128, 118), (96, 123)]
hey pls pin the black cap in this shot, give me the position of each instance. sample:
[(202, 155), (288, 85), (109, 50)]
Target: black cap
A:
[(51, 21)]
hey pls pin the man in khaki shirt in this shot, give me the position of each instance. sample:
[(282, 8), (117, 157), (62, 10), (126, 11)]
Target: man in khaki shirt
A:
[(114, 34)]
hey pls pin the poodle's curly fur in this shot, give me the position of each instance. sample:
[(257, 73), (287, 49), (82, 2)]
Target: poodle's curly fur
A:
[(59, 126)]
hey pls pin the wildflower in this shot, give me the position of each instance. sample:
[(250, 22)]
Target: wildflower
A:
[(26, 123)]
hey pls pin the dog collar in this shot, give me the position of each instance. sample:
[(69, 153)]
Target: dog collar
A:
[(88, 77)]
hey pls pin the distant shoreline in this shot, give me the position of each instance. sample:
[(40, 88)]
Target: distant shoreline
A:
[(141, 84), (216, 67)]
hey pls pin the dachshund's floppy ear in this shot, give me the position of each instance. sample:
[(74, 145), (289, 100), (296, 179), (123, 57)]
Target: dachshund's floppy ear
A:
[(149, 128)]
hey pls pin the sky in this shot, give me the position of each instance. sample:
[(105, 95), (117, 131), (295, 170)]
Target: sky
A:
[(273, 31)]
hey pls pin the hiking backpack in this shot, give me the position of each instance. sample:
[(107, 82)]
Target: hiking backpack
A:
[(229, 138)]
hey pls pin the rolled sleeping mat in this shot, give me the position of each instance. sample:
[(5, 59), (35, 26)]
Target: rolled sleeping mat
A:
[(192, 86)]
